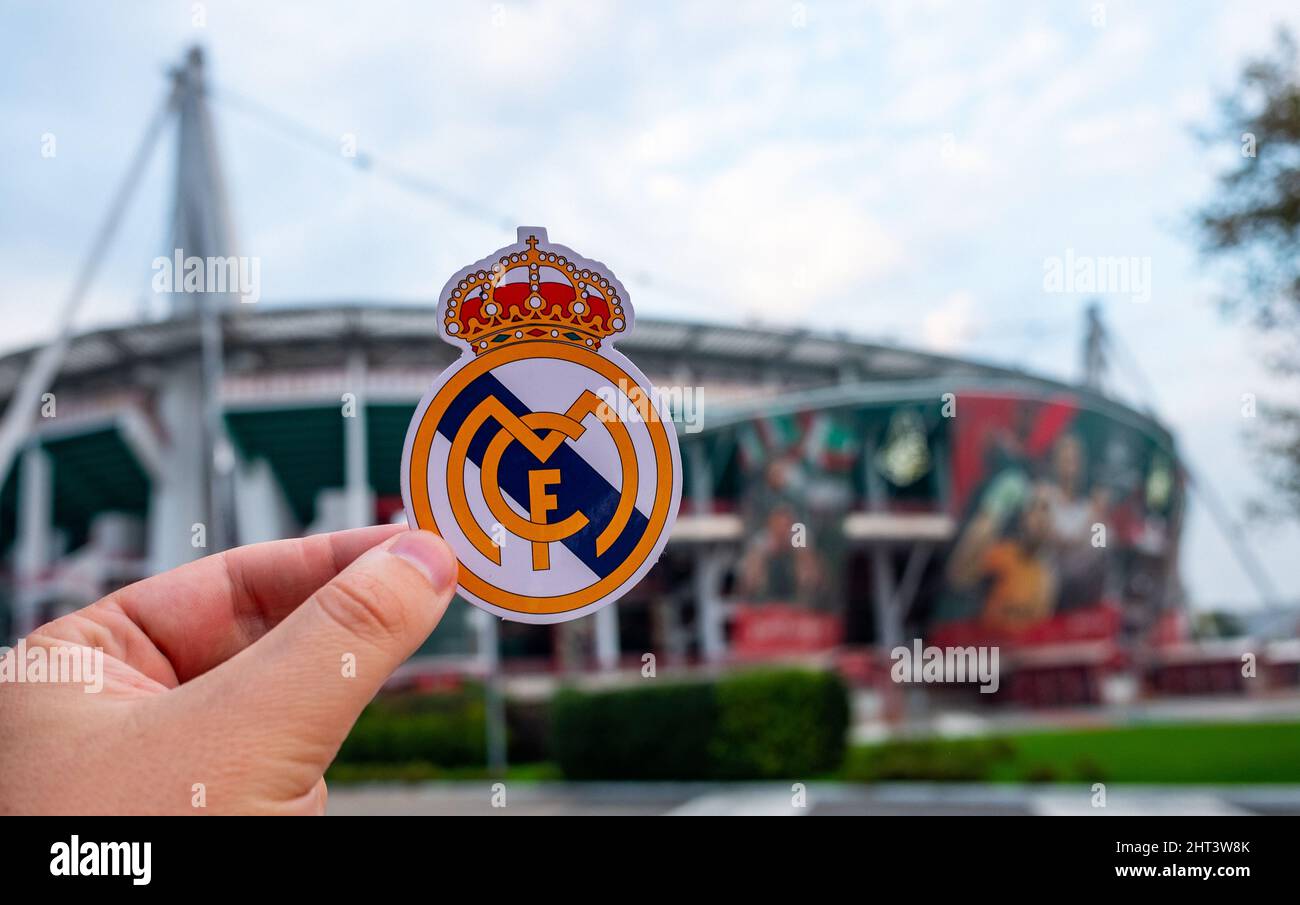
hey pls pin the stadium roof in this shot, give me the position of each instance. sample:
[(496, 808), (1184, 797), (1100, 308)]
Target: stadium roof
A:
[(285, 367), (271, 338)]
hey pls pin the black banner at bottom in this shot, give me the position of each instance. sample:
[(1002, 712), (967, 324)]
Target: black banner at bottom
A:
[(386, 854)]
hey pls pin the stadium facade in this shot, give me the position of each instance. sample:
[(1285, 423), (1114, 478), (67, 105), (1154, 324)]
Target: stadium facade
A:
[(841, 497), (829, 483)]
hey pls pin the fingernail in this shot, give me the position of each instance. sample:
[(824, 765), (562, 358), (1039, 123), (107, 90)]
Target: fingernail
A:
[(430, 554)]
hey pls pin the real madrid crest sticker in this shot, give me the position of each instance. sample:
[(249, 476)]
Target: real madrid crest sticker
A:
[(542, 455)]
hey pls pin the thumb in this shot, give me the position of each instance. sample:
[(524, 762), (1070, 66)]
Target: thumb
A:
[(298, 690)]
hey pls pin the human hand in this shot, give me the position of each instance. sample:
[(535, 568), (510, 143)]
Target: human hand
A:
[(224, 680)]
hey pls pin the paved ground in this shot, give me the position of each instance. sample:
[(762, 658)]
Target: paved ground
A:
[(471, 798)]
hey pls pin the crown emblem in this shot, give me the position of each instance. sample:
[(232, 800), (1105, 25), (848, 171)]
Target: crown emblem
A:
[(530, 292)]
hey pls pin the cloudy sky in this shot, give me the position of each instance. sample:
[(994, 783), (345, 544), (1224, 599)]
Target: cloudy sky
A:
[(894, 170)]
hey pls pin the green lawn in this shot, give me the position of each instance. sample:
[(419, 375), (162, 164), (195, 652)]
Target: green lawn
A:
[(1157, 753), (1209, 753)]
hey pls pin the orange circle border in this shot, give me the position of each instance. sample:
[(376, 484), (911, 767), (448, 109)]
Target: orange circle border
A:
[(418, 475)]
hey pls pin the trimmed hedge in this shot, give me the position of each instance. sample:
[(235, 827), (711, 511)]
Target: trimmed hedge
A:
[(443, 729), (528, 731), (791, 723), (929, 759), (760, 725), (658, 732)]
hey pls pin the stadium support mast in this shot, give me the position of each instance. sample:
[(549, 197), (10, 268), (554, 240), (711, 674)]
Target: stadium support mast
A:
[(201, 220), (194, 500), (1094, 348), (194, 488), (46, 361)]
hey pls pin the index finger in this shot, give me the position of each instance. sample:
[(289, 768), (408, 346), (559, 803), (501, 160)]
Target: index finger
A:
[(200, 614)]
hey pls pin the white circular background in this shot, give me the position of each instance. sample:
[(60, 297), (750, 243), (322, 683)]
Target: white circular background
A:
[(545, 385)]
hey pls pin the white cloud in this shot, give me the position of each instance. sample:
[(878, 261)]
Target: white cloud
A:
[(951, 326), (727, 164)]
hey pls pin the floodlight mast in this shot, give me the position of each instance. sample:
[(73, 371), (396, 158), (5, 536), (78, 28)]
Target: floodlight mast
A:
[(46, 361), (201, 229), (196, 487)]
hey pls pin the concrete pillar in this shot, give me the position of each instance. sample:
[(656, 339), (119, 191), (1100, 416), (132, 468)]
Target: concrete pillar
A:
[(709, 568), (356, 452), (709, 564), (889, 630), (701, 488), (179, 500), (607, 647), (888, 620), (489, 654), (262, 511), (35, 534)]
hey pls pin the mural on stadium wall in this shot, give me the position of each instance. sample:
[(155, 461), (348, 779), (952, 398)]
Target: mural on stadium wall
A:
[(1067, 529), (1066, 521), (798, 485)]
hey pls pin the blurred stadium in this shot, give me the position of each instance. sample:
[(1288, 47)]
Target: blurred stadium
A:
[(842, 497)]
